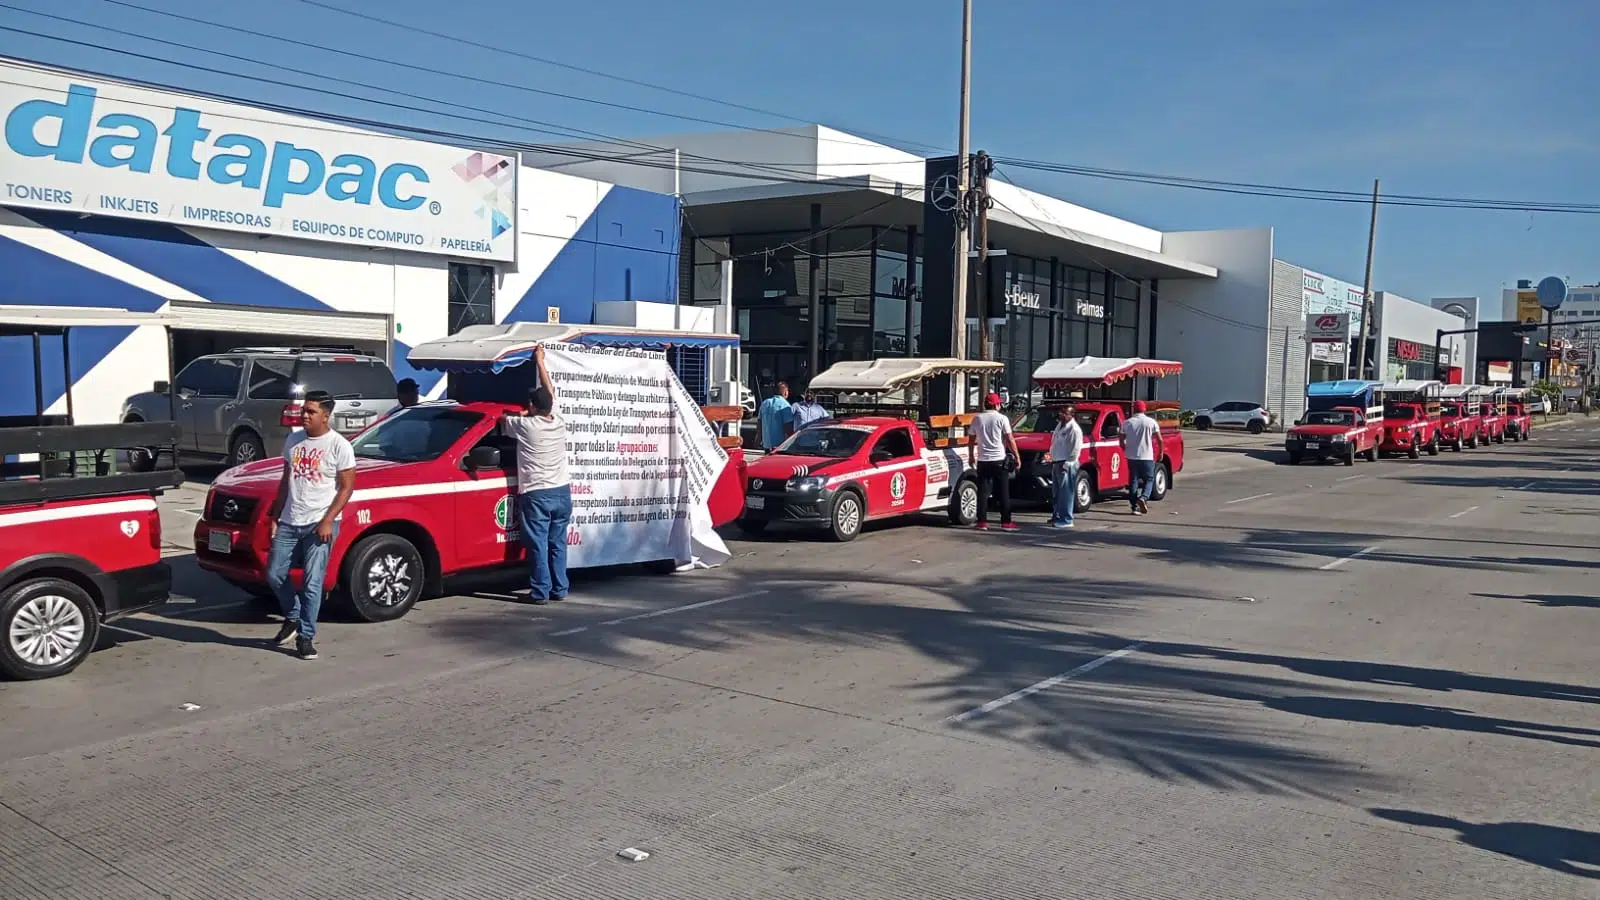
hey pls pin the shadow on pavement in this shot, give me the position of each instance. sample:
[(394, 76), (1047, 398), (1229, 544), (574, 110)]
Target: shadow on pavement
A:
[(1265, 454), (1549, 600), (1414, 715), (1565, 850)]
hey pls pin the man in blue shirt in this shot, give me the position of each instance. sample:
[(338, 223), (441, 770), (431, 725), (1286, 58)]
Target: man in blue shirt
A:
[(808, 411), (777, 417)]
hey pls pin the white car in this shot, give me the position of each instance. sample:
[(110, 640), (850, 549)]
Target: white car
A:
[(1252, 417)]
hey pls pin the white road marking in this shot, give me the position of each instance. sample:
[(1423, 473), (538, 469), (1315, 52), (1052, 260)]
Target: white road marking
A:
[(1342, 560), (1463, 512), (659, 612), (1352, 478), (1044, 685), (1528, 485), (1246, 499)]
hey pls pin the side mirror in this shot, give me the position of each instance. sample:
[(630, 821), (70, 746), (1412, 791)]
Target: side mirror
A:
[(880, 456), (161, 387), (185, 393), (483, 457)]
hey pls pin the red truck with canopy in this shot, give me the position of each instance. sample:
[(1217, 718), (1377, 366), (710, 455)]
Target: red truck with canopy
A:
[(1460, 417), (1411, 417), (80, 532), (1343, 420), (1492, 417), (1102, 391), (1519, 424)]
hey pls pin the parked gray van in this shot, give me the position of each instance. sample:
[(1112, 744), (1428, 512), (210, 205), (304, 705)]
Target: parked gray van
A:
[(239, 406)]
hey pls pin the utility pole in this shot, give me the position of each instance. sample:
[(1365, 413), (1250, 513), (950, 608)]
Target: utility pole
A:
[(980, 211), (1366, 289), (958, 334)]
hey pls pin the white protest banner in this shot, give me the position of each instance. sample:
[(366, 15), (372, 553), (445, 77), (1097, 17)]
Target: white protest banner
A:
[(642, 459)]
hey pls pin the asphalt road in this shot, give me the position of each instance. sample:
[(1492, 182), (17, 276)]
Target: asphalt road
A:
[(1317, 682)]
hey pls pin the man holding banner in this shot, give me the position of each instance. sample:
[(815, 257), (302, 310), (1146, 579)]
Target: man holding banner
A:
[(544, 490)]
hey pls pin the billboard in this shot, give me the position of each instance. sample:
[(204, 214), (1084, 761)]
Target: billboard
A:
[(1327, 328), (1529, 312), (1330, 296), (112, 149)]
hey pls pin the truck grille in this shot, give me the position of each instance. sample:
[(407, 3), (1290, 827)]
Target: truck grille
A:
[(238, 510)]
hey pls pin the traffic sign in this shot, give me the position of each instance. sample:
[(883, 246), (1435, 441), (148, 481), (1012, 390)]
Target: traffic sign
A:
[(1552, 293)]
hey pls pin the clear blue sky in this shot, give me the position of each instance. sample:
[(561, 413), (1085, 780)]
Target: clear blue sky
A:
[(1472, 98)]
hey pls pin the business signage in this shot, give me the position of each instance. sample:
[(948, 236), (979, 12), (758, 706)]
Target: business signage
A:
[(1017, 298), (1090, 310), (1323, 295), (106, 148), (1328, 328), (1411, 351)]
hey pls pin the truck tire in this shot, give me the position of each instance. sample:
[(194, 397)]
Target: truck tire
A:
[(964, 503), (1162, 481), (1433, 446), (47, 628), (848, 512), (140, 459), (1083, 492), (1350, 456), (1472, 442), (383, 577), (246, 447), (1294, 459), (1414, 450), (1372, 453)]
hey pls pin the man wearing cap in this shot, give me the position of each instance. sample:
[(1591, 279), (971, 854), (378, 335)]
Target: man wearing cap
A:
[(1140, 438), (989, 452)]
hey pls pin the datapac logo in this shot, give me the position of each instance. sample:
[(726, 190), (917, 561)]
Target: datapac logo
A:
[(125, 141)]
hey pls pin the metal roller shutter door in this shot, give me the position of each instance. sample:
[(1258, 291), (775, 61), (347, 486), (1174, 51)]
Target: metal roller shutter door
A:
[(302, 324)]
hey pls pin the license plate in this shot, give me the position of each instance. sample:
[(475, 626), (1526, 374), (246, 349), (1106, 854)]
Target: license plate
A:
[(220, 542), (1312, 445), (756, 502), (355, 423)]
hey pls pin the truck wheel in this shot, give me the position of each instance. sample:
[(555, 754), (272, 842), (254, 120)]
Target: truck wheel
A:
[(964, 503), (49, 627), (1472, 442), (1372, 453), (752, 526), (1350, 456), (1161, 483), (1083, 491), (847, 515), (1294, 459), (383, 577), (1414, 450), (1203, 424), (1500, 438), (1255, 427), (140, 459), (246, 448)]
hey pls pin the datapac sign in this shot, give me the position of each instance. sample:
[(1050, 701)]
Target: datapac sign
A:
[(110, 149)]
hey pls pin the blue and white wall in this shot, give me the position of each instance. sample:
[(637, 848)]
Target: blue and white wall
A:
[(580, 242)]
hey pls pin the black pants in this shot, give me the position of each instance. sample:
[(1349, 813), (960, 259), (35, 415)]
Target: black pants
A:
[(994, 475)]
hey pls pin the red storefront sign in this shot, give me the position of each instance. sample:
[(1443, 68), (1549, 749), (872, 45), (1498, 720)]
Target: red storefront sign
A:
[(1408, 350)]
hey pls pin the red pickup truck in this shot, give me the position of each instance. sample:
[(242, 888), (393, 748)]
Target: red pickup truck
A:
[(1460, 419), (1519, 424), (1411, 418)]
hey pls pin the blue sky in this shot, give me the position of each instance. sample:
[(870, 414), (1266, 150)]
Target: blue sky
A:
[(1473, 98)]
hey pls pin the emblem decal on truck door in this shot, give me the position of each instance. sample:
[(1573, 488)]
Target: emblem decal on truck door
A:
[(504, 515), (1116, 464), (897, 488)]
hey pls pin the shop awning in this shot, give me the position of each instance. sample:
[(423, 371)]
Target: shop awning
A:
[(1102, 370), (500, 347), (880, 376), (21, 320)]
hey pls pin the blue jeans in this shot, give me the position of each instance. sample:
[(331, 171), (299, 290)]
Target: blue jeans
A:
[(544, 516), (1063, 492), (1141, 479), (298, 545)]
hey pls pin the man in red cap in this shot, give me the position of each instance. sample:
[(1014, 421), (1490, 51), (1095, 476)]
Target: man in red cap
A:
[(1140, 438), (993, 453)]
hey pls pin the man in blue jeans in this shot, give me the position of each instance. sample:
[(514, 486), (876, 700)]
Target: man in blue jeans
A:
[(1066, 446), (544, 491), (1141, 438), (319, 474)]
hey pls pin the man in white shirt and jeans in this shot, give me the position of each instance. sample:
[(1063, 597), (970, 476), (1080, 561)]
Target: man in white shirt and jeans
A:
[(319, 474), (1066, 445), (544, 491), (1141, 437), (989, 451)]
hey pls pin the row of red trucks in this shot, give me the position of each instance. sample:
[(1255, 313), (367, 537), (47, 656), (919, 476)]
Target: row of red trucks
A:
[(1351, 419)]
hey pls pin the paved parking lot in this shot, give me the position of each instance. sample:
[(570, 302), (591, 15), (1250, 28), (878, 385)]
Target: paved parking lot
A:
[(1315, 681)]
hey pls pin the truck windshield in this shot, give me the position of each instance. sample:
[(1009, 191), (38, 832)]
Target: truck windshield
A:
[(1043, 419), (1450, 409), (822, 440), (1330, 417), (417, 434), (1324, 402), (1401, 413)]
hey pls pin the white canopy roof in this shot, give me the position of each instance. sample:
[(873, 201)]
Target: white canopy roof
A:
[(880, 376), (1461, 390), (55, 318), (498, 347), (1103, 370), (1409, 386)]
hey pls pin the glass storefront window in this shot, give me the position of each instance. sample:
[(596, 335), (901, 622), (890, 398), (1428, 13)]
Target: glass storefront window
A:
[(1124, 341), (889, 326)]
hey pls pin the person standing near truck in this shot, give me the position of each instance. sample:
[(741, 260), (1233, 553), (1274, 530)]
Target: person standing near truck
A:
[(319, 475), (544, 490), (1139, 436), (992, 452), (1066, 445), (776, 417)]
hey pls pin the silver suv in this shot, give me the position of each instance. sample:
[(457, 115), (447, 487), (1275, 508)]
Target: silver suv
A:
[(239, 406)]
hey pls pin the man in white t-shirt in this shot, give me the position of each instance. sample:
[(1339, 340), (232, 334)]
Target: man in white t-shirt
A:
[(544, 490), (1066, 446), (988, 452), (319, 474), (1141, 438)]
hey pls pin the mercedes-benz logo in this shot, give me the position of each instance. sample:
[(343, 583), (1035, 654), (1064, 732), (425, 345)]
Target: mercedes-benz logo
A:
[(944, 193), (230, 509), (756, 485)]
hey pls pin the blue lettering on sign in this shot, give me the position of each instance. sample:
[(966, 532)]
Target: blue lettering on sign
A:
[(126, 141)]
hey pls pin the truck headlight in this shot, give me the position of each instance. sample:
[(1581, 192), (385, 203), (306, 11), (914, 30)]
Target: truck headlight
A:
[(807, 483), (1340, 438)]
